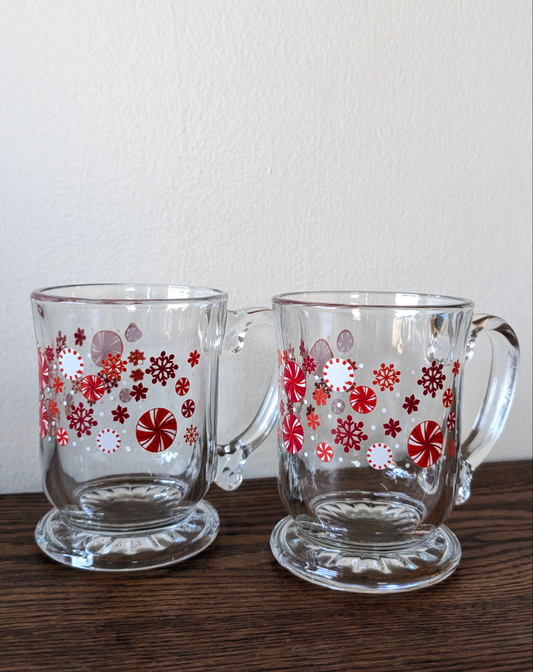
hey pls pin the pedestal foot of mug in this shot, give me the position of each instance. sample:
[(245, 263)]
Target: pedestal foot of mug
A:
[(361, 569), (99, 551)]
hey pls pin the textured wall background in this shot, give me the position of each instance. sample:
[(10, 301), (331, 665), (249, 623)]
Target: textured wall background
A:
[(262, 147)]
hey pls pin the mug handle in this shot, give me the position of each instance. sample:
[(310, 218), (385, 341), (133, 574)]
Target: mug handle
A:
[(232, 456), (496, 405)]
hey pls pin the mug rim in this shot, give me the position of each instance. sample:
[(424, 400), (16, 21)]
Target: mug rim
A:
[(59, 293), (348, 299)]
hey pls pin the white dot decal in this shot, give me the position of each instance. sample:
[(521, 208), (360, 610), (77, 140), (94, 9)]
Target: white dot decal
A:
[(71, 364), (338, 374), (379, 456), (108, 440)]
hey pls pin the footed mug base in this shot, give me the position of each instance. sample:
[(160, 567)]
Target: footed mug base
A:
[(366, 569), (116, 552)]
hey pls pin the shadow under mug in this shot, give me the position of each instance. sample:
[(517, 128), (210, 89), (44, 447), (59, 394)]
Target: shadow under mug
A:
[(371, 457), (128, 378)]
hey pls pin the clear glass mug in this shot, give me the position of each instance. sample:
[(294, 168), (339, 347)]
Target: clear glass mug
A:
[(128, 378), (370, 451)]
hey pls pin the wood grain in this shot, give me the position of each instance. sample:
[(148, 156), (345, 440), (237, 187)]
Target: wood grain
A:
[(234, 608)]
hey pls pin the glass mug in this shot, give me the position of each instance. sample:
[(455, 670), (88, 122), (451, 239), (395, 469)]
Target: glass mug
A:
[(370, 455), (128, 378)]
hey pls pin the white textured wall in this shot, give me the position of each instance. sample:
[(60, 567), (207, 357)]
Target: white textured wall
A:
[(261, 147)]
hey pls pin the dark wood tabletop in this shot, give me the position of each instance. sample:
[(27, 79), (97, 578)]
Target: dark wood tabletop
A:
[(234, 608)]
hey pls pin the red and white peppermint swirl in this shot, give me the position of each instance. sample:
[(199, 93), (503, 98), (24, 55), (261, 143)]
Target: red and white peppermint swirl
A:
[(450, 422), (338, 374), (44, 371), (44, 420), (182, 386), (92, 388), (447, 398), (62, 436), (293, 433), (425, 443), (294, 381), (156, 430), (363, 399), (324, 451), (188, 407), (71, 364)]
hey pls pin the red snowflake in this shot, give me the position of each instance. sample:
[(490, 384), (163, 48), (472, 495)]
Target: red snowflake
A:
[(349, 433), (450, 422), (309, 364), (320, 397), (456, 367), (323, 386), (411, 404), (281, 408), (61, 343), (392, 428), (76, 385), (191, 434), (432, 379), (49, 354), (285, 356), (53, 408), (109, 383), (303, 349), (162, 368), (310, 409), (120, 414), (113, 366), (386, 377), (452, 448), (194, 358), (138, 392), (136, 357), (58, 385), (280, 358), (312, 420), (79, 336), (81, 419), (137, 374)]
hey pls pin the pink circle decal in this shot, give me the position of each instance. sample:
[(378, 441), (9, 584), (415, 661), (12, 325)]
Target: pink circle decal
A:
[(71, 364), (324, 451), (321, 352), (379, 456), (44, 420), (425, 443), (105, 343), (44, 371), (156, 430), (345, 341), (338, 375), (294, 381), (92, 388), (363, 399), (293, 433)]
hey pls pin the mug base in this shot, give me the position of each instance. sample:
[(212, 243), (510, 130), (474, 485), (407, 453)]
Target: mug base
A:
[(367, 569), (122, 552)]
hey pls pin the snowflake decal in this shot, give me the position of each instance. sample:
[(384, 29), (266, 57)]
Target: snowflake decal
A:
[(191, 434), (349, 433), (113, 366), (81, 419), (136, 357), (280, 358), (303, 349), (137, 374), (194, 358), (320, 397), (53, 408), (392, 428), (120, 414), (281, 407), (456, 368), (109, 383), (79, 337), (432, 379), (61, 343), (163, 368), (58, 385), (309, 364), (411, 404), (49, 354), (452, 449), (138, 392), (312, 420), (386, 377)]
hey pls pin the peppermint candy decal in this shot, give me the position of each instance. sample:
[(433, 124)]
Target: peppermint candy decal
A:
[(345, 341), (44, 371), (321, 353), (293, 434), (108, 440), (379, 456), (44, 420), (294, 381), (324, 452), (338, 374), (156, 430), (425, 444), (363, 399), (71, 364), (62, 437), (92, 388), (105, 343)]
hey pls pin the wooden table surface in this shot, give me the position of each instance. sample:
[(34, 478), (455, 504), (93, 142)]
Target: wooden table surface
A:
[(234, 608)]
